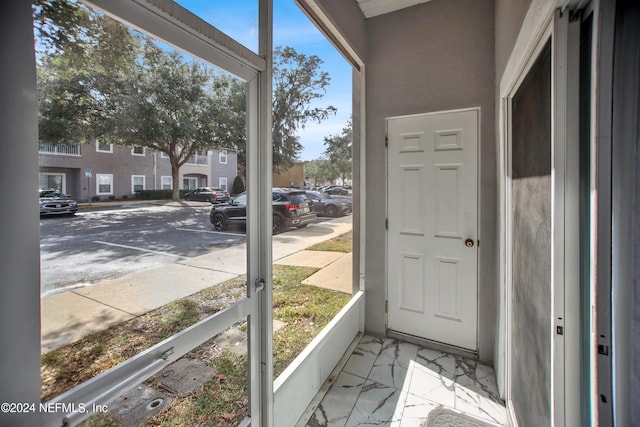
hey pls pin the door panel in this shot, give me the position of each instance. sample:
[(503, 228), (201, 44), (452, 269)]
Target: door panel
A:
[(432, 209)]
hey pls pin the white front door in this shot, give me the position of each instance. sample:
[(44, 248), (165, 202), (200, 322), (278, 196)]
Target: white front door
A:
[(432, 226)]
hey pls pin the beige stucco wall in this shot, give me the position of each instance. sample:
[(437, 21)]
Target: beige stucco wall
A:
[(292, 177)]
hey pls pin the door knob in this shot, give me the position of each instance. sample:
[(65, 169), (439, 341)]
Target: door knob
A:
[(469, 243)]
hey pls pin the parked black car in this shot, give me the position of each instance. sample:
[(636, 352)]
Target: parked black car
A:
[(291, 208), (53, 202), (208, 194), (325, 205)]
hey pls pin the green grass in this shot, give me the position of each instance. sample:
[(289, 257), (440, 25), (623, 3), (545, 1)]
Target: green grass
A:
[(223, 400), (342, 243)]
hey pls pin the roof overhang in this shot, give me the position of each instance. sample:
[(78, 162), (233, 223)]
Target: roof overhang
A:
[(371, 8)]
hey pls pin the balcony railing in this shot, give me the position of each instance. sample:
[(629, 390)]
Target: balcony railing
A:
[(60, 149), (198, 159)]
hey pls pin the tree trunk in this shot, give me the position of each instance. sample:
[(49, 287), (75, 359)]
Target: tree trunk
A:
[(175, 177)]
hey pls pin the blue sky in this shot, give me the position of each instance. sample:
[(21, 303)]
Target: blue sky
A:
[(239, 19)]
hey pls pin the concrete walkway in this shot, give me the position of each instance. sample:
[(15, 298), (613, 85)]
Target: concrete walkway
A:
[(71, 315)]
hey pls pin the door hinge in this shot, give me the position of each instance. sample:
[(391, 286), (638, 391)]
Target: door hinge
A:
[(386, 307), (386, 223), (386, 141)]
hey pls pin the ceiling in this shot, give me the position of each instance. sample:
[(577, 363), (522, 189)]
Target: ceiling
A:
[(372, 8)]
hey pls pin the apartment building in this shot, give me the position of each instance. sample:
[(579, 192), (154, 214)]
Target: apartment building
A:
[(103, 170)]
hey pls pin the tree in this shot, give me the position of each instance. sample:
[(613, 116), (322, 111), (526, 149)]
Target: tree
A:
[(102, 81), (124, 89), (297, 83), (167, 106), (230, 127), (60, 25), (75, 83), (338, 151), (319, 170)]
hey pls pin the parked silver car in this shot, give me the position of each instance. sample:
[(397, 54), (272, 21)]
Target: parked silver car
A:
[(53, 202), (208, 194)]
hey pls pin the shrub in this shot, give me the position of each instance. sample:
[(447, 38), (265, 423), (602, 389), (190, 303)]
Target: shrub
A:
[(238, 185), (154, 194)]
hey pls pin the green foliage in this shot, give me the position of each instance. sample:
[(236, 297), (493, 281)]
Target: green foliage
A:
[(338, 152), (59, 24), (79, 72), (238, 185), (318, 171), (229, 109)]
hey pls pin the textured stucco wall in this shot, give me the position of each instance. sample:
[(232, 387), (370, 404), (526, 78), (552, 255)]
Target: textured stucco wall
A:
[(532, 240)]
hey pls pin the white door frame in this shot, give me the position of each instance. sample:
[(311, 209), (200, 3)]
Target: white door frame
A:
[(534, 30), (566, 237), (541, 23), (477, 225)]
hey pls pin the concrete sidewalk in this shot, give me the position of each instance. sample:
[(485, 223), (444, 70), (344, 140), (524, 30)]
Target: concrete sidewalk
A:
[(71, 315)]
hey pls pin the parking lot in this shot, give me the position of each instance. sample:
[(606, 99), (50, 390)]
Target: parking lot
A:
[(108, 242), (98, 244)]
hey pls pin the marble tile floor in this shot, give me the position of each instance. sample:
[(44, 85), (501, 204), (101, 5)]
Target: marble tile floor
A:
[(388, 382)]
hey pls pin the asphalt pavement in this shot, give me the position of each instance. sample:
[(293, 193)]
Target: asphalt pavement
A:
[(73, 314)]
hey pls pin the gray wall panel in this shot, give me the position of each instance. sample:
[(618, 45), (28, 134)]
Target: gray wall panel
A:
[(19, 224)]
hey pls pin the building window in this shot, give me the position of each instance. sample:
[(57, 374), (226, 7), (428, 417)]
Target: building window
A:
[(137, 151), (189, 183), (222, 157), (166, 182), (104, 184), (53, 181), (223, 183), (137, 183), (164, 155), (103, 147)]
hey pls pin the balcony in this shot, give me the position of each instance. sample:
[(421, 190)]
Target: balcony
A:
[(198, 159), (60, 149)]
